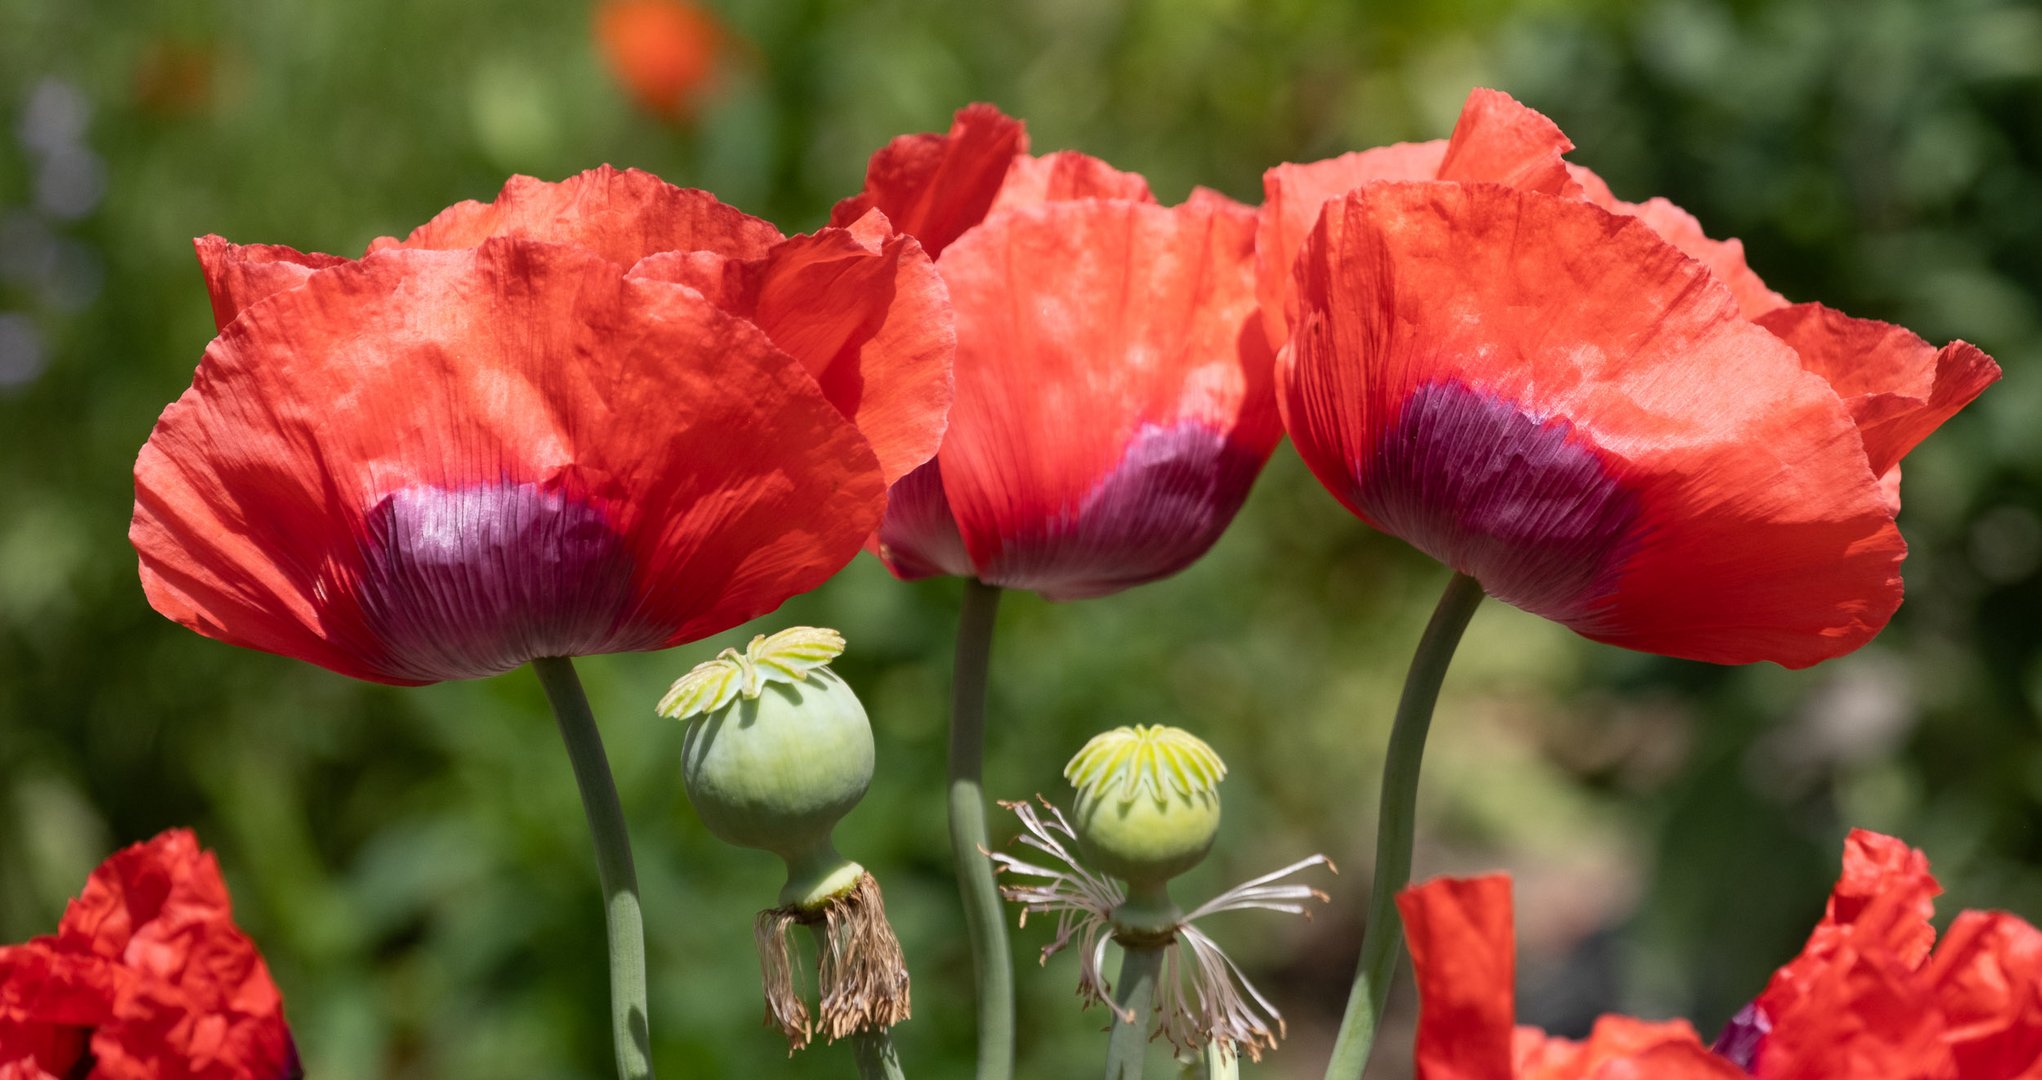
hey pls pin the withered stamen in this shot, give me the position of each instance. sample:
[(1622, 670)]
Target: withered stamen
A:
[(862, 975), (784, 1007)]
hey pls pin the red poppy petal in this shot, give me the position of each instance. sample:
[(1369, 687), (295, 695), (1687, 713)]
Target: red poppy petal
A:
[(1113, 391), (621, 216), (1292, 196), (1063, 176), (48, 986), (1501, 141), (1881, 904), (1724, 258), (1621, 1048), (935, 186), (1556, 401), (730, 284), (32, 1050), (153, 888), (1464, 949), (874, 328), (1850, 1005), (1898, 387), (1496, 139), (866, 313), (440, 465), (238, 275), (1987, 980), (1861, 1018)]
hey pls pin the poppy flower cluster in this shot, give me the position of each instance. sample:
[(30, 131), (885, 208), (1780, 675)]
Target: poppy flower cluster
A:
[(1589, 406), (146, 978), (1114, 396), (611, 414), (600, 415), (1872, 996)]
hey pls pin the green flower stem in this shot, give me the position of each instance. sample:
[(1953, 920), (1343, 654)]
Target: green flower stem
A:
[(1213, 1063), (876, 1057), (629, 1024), (1383, 943), (1134, 995), (984, 920)]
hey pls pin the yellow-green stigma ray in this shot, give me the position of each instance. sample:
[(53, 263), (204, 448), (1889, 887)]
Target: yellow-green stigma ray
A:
[(1155, 760), (784, 657)]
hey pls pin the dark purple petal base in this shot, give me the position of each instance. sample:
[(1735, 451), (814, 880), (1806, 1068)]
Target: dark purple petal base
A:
[(918, 537), (1162, 507), (1530, 511), (460, 584), (1742, 1036)]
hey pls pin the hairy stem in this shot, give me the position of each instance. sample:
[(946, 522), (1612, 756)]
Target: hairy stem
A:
[(629, 1023), (1134, 998), (984, 920), (1383, 943)]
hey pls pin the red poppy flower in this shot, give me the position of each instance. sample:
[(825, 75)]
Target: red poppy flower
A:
[(147, 978), (664, 52), (1113, 387), (1464, 950), (1558, 400), (1865, 1000), (1868, 999), (602, 415)]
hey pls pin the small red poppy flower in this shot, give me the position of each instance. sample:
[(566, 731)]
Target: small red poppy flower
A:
[(1874, 996), (1464, 950), (1871, 997), (663, 52), (602, 415), (1113, 385), (147, 978), (1559, 401)]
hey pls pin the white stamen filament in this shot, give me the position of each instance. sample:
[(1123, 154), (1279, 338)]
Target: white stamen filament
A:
[(1209, 1000)]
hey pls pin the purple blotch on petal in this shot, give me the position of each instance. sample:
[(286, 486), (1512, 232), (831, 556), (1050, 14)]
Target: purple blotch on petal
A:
[(464, 583), (1155, 513), (1743, 1035), (918, 537), (1532, 512)]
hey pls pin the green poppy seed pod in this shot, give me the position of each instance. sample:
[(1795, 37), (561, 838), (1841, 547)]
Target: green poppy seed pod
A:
[(1148, 804), (778, 749)]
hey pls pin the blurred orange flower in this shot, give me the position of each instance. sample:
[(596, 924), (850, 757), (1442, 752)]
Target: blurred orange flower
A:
[(664, 52), (176, 78)]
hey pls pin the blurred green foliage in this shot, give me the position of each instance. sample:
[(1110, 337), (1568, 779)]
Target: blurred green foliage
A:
[(414, 862)]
